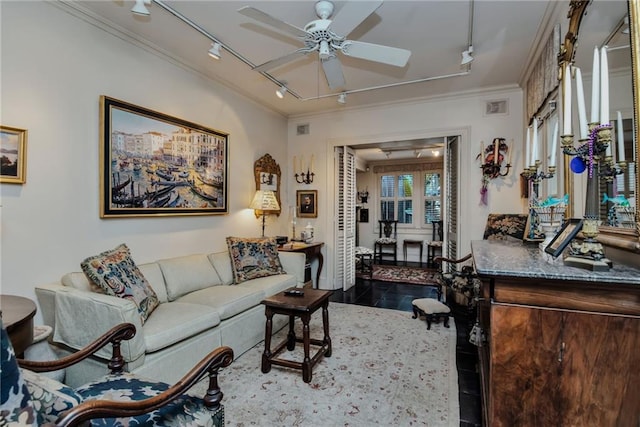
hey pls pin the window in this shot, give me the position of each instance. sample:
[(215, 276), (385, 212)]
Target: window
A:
[(402, 193)]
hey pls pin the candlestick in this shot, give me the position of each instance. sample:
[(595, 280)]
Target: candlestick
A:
[(301, 164), (566, 105), (510, 150), (595, 87), (604, 87), (294, 164), (582, 110), (528, 149), (621, 157), (496, 151), (554, 145), (534, 150)]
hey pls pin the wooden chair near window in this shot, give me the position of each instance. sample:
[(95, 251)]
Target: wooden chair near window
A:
[(435, 245), (388, 228)]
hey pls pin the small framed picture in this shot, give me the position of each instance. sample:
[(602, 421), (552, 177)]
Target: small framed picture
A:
[(307, 201), (564, 237), (13, 155)]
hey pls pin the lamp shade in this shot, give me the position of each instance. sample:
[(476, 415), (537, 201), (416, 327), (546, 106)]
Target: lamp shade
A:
[(265, 200)]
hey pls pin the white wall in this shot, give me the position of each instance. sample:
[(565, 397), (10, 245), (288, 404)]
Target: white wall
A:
[(453, 115), (54, 69)]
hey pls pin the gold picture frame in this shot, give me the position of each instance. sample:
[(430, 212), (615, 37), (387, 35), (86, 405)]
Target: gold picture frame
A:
[(307, 203), (13, 155)]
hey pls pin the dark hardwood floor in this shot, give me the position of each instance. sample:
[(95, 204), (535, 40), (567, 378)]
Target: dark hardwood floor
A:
[(398, 296)]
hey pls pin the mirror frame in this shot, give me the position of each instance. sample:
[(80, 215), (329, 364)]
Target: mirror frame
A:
[(622, 238)]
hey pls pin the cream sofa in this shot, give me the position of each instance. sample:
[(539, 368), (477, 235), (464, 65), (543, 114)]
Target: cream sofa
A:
[(200, 309)]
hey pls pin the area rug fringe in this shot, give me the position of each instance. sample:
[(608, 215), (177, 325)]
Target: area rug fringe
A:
[(386, 369), (401, 274)]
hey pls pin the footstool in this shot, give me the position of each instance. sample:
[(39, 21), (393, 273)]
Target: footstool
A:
[(432, 310)]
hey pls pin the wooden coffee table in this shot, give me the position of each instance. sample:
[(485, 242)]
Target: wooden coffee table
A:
[(302, 307)]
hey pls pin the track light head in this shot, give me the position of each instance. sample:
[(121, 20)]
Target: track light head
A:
[(342, 98), (281, 92), (467, 56), (214, 52), (140, 8)]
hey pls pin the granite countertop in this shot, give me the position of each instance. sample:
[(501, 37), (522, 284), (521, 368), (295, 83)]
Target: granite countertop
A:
[(517, 259)]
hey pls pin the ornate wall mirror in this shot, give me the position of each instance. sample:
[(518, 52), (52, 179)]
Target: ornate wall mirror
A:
[(267, 175), (613, 23)]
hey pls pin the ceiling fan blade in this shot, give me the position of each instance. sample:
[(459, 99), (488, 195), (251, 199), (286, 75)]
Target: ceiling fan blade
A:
[(333, 72), (265, 18), (269, 65), (376, 52), (351, 15)]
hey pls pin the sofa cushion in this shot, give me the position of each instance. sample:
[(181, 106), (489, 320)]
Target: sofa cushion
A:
[(186, 274), (154, 276), (253, 257), (176, 321), (116, 273), (79, 280), (226, 300), (222, 263), (270, 285)]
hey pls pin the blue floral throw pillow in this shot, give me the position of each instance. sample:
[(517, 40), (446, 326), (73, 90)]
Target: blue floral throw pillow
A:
[(253, 257), (115, 272)]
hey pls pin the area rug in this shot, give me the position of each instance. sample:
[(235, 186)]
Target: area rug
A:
[(401, 274), (385, 369)]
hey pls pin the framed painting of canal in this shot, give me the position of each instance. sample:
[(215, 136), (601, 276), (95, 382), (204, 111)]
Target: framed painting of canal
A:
[(13, 155), (153, 164)]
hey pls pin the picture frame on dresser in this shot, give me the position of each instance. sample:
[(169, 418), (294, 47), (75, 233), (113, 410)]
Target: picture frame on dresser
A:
[(153, 164), (566, 234), (13, 155)]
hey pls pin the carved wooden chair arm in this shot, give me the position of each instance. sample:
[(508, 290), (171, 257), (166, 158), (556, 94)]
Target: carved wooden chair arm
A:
[(439, 260), (123, 331), (218, 358)]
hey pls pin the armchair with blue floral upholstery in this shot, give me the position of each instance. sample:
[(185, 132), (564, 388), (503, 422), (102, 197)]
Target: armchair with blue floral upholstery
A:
[(459, 278), (28, 398)]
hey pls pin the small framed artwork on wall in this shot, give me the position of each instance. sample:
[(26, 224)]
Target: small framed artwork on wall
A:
[(13, 155), (307, 201)]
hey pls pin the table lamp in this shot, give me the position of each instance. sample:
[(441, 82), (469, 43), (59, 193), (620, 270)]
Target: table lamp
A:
[(264, 201)]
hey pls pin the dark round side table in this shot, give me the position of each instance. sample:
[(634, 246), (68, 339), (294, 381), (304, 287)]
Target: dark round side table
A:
[(17, 318)]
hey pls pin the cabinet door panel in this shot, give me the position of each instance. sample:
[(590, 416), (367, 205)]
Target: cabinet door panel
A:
[(524, 368), (601, 370)]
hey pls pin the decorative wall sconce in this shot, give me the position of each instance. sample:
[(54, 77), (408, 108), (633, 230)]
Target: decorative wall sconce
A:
[(363, 196), (492, 158), (301, 176)]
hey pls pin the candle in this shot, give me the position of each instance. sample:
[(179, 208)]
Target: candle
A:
[(301, 163), (527, 149), (582, 110), (595, 87), (534, 150), (554, 145), (604, 87), (496, 151), (621, 157), (294, 165), (510, 150), (311, 167), (566, 105), (482, 151)]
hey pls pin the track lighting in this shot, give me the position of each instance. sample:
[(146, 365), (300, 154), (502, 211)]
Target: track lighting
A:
[(140, 8), (280, 92), (342, 98), (214, 52), (467, 57)]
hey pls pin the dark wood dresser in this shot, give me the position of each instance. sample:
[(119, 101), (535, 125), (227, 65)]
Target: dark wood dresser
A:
[(561, 344)]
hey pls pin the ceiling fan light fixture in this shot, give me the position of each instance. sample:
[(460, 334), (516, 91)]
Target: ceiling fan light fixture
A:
[(467, 56), (281, 92), (140, 8), (325, 53), (214, 52), (342, 98)]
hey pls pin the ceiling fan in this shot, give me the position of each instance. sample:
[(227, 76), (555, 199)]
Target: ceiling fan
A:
[(328, 37)]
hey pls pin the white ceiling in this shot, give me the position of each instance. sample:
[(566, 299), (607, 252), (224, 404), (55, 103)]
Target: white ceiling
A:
[(506, 35)]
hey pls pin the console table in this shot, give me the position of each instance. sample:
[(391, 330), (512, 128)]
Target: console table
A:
[(311, 251), (17, 318), (560, 343)]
